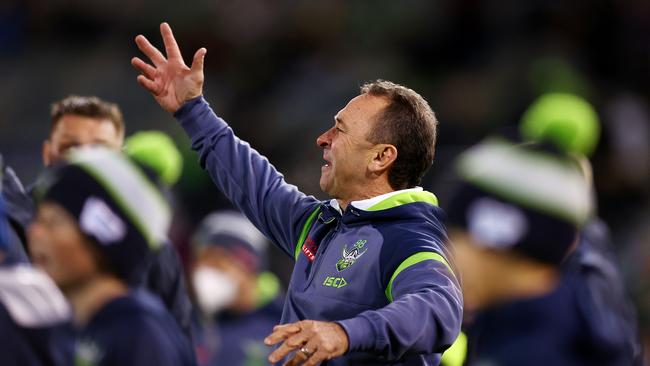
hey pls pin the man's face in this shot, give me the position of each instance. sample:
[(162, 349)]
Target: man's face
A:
[(73, 130), (346, 150), (58, 247)]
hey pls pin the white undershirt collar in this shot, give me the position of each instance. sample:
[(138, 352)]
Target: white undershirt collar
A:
[(369, 202)]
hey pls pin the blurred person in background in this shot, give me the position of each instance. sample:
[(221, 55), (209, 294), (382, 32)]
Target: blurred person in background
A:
[(34, 316), (98, 223), (513, 221), (372, 282), (88, 120), (80, 121), (19, 211), (156, 151), (240, 302), (572, 124)]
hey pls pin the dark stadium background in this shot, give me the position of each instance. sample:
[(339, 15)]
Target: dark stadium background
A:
[(278, 71)]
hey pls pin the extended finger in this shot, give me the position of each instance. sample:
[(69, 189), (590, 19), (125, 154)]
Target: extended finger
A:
[(297, 359), (280, 333), (144, 68), (302, 358), (171, 47), (290, 327), (318, 357), (197, 62), (293, 342), (150, 85), (149, 50)]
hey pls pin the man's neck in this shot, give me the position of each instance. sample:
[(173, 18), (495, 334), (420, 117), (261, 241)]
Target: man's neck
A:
[(88, 298), (523, 280), (368, 192)]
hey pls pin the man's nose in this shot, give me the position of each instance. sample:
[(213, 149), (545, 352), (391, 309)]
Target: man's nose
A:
[(324, 139)]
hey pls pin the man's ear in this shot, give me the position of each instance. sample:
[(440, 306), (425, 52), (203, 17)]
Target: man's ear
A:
[(384, 156), (47, 152)]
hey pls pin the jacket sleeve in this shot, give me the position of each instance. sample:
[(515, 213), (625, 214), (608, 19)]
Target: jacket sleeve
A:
[(253, 185), (425, 316)]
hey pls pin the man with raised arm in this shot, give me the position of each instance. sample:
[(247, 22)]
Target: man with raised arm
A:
[(372, 282)]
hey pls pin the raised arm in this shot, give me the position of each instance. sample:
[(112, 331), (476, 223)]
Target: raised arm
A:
[(252, 184)]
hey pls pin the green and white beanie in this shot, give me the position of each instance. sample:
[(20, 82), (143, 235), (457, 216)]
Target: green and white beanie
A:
[(114, 204), (530, 198)]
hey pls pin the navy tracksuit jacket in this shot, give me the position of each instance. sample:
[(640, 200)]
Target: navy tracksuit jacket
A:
[(380, 269)]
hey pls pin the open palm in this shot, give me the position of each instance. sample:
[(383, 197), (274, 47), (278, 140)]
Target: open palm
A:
[(169, 80)]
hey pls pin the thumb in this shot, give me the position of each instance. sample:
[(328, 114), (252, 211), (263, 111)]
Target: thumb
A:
[(197, 62)]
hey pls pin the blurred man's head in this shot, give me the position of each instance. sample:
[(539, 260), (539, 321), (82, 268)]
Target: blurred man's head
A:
[(79, 121), (97, 216), (230, 254), (515, 217), (385, 136)]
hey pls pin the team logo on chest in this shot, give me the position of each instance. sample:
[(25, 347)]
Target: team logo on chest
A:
[(351, 256)]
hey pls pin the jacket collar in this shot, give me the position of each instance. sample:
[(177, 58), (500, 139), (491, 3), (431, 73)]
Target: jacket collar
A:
[(390, 200), (385, 206)]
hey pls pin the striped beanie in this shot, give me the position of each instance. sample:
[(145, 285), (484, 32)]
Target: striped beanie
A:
[(232, 231), (529, 198), (114, 204)]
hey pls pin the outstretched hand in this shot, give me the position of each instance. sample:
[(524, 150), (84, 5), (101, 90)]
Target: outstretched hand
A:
[(311, 341), (169, 80)]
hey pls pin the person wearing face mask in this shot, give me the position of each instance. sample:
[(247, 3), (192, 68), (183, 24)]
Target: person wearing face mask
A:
[(240, 302)]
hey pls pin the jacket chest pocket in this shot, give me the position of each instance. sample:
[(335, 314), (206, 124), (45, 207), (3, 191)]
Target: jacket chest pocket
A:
[(350, 271)]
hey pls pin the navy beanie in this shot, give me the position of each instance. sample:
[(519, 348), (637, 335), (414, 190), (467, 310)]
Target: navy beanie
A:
[(232, 231), (527, 198), (114, 204)]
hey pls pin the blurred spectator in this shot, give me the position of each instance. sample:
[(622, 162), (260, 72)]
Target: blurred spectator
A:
[(572, 124), (97, 226), (156, 150), (240, 302), (88, 120), (34, 316), (513, 221), (19, 212)]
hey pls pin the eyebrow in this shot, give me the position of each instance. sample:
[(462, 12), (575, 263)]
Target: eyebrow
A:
[(339, 120)]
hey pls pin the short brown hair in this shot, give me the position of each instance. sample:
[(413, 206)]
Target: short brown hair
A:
[(92, 107), (409, 124)]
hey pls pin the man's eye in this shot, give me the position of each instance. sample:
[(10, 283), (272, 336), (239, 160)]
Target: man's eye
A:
[(65, 147)]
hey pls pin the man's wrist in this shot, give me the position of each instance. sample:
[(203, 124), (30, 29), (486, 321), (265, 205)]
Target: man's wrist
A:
[(187, 106), (359, 333)]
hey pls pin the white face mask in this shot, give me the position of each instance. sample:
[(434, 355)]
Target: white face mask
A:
[(214, 289)]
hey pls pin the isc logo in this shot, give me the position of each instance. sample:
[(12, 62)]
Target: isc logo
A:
[(336, 282)]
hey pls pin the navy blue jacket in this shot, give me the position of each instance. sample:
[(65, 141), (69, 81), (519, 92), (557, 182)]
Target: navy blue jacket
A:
[(379, 268), (133, 330), (587, 320), (549, 330), (240, 337), (602, 296), (34, 319)]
